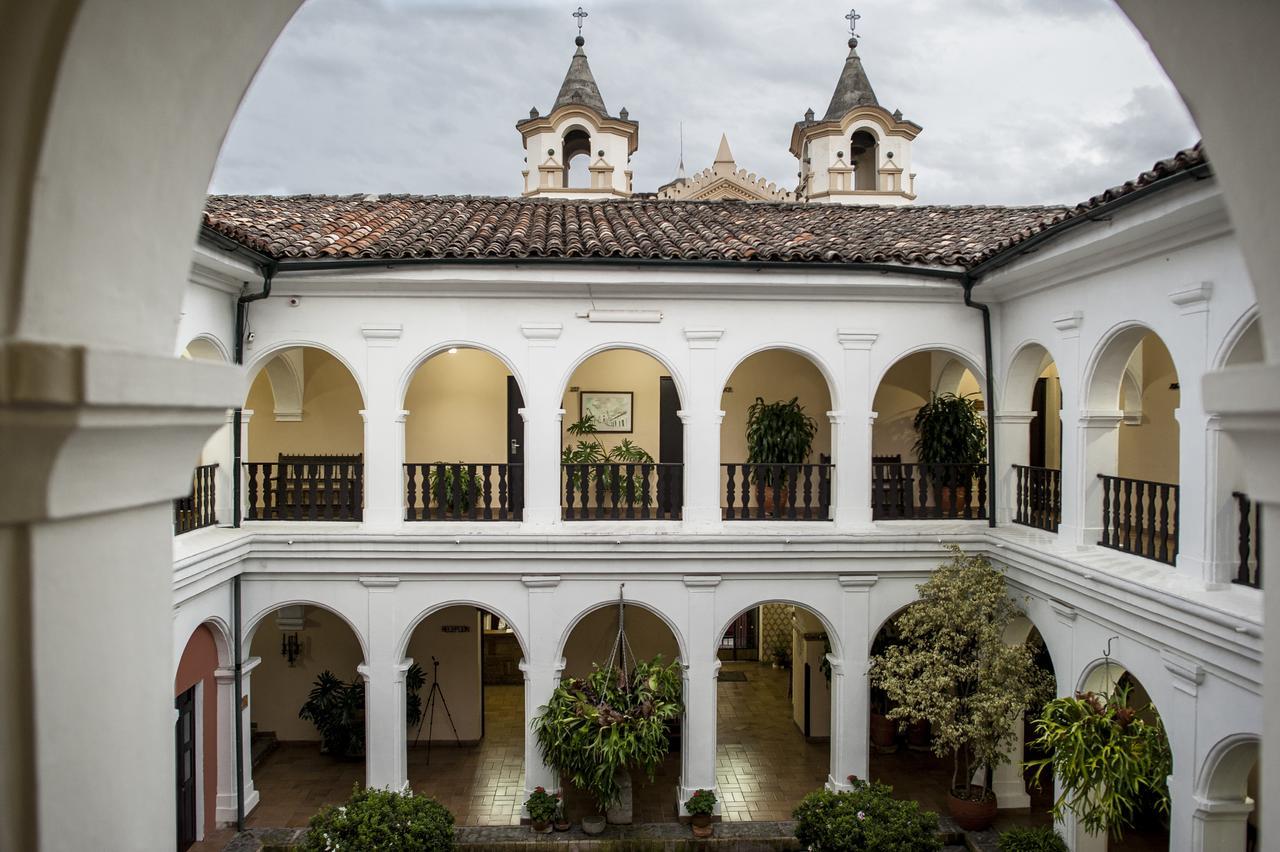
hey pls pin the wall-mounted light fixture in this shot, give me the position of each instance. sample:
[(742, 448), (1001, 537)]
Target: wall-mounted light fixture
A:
[(290, 648), (620, 316)]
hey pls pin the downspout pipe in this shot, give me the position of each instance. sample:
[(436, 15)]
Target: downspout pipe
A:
[(992, 490), (242, 319), (237, 634)]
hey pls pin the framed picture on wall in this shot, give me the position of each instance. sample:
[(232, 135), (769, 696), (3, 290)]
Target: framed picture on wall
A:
[(611, 409)]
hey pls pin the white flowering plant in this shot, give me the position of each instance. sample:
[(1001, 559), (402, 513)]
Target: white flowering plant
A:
[(375, 820), (866, 818)]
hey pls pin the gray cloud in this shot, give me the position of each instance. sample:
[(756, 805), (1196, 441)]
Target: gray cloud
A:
[(1022, 101)]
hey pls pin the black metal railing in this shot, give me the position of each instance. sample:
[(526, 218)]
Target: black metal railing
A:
[(1249, 548), (305, 491), (1037, 497), (619, 491), (777, 492), (463, 491), (198, 509), (1140, 517), (928, 491)]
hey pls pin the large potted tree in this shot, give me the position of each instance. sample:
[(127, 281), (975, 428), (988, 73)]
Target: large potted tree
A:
[(778, 433), (951, 443), (952, 669)]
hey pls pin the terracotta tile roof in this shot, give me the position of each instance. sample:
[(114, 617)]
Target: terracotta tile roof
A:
[(393, 227)]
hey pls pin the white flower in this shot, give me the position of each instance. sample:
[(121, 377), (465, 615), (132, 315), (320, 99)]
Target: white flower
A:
[(861, 815)]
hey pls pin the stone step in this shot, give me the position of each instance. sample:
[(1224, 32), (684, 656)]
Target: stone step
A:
[(262, 744)]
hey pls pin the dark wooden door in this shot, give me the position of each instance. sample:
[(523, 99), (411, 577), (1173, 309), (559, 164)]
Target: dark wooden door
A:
[(670, 445), (739, 641), (1039, 404), (185, 741), (515, 445)]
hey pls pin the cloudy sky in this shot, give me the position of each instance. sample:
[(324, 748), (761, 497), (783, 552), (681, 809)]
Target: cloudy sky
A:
[(1022, 101)]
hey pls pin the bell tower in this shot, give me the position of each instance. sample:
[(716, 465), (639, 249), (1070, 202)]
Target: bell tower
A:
[(859, 152), (578, 150)]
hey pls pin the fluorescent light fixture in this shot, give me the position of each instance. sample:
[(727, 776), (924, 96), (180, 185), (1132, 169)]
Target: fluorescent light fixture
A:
[(620, 316)]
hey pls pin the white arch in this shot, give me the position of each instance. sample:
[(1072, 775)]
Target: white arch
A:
[(681, 645), (1224, 775), (967, 358), (207, 348), (1026, 365), (406, 377), (402, 646), (287, 378), (253, 623), (810, 355), (221, 641), (1105, 368), (837, 644), (261, 358), (1244, 324), (681, 386)]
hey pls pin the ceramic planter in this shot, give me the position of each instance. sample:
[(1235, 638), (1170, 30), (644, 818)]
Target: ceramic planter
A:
[(541, 827), (593, 824), (971, 815), (701, 825)]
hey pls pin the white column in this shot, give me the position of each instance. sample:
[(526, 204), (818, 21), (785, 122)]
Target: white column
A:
[(851, 433), (1197, 511), (850, 687), (543, 429), (542, 672), (1098, 442), (698, 738), (246, 414), (225, 798), (246, 742), (384, 492), (1180, 724), (1007, 780), (1218, 826), (702, 417), (386, 730), (1069, 372), (1013, 446)]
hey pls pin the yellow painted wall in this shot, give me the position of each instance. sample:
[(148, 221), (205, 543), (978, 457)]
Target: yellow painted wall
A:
[(1150, 450), (620, 370), (277, 690), (457, 408), (593, 638), (810, 651), (460, 674), (331, 422), (774, 375), (1053, 425), (906, 387)]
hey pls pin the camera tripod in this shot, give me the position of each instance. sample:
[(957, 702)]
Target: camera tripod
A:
[(429, 710)]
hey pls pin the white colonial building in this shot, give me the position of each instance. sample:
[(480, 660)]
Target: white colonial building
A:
[(392, 486)]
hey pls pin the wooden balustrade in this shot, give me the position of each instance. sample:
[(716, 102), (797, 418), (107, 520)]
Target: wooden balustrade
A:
[(1249, 548), (463, 491), (197, 509), (928, 491), (305, 491), (1038, 497), (618, 491), (1140, 517), (777, 492)]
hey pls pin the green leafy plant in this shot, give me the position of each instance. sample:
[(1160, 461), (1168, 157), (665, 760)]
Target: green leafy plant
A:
[(613, 720), (414, 680), (864, 819), (541, 805), (952, 669), (1042, 839), (950, 429), (590, 450), (381, 821), (781, 655), (1108, 760), (778, 433), (702, 802), (336, 708), (444, 478)]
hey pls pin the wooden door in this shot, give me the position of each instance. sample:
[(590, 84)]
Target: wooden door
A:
[(1039, 404), (185, 742), (515, 446), (670, 447)]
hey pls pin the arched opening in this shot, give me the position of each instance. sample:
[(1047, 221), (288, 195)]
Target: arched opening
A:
[(210, 497), (1228, 796), (576, 158), (196, 735), (1150, 829), (774, 712), (594, 641), (1035, 390), (466, 728), (1238, 516), (1132, 470), (622, 454), (464, 439), (775, 439), (920, 469), (304, 439), (864, 157), (309, 658)]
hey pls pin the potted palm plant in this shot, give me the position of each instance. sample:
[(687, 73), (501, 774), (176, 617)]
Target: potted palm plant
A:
[(590, 450), (952, 669), (778, 433), (951, 442)]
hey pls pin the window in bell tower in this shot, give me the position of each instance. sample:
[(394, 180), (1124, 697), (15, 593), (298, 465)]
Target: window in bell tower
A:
[(862, 156), (577, 158)]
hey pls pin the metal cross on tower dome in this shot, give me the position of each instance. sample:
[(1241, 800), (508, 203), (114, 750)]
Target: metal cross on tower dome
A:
[(853, 17), (580, 15)]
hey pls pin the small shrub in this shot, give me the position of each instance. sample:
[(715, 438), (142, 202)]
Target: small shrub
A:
[(701, 802), (865, 819), (541, 805), (1032, 840), (381, 821)]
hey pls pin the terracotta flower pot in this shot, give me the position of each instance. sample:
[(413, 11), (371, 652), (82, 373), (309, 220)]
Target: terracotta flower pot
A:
[(973, 815), (562, 825), (701, 825), (919, 736), (541, 826), (884, 731)]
